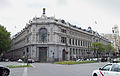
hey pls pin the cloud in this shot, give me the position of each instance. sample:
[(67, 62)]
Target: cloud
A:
[(4, 4), (36, 5), (82, 13), (110, 6), (61, 2)]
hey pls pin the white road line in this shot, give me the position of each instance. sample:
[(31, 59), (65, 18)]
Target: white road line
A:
[(33, 66), (25, 72)]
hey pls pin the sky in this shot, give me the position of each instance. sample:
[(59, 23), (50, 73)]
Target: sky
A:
[(101, 15)]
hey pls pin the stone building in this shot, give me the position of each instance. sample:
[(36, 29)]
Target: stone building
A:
[(46, 39)]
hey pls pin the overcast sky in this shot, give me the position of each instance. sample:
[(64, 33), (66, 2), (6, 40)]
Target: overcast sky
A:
[(14, 14)]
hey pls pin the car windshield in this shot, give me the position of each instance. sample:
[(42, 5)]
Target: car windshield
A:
[(107, 67)]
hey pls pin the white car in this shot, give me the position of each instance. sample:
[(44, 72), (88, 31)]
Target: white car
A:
[(79, 60), (94, 59), (20, 61), (111, 69)]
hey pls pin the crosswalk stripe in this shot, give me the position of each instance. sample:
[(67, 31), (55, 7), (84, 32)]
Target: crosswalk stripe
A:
[(25, 72)]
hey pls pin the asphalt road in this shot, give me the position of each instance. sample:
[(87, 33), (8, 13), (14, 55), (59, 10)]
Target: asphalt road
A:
[(48, 69), (63, 70)]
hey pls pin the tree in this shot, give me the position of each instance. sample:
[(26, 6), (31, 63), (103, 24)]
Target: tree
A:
[(98, 48), (101, 47), (110, 49), (5, 41)]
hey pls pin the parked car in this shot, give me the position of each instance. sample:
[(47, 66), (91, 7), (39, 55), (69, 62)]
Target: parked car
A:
[(116, 60), (4, 71), (111, 69), (20, 61), (31, 61), (104, 59), (79, 60), (6, 60), (95, 59)]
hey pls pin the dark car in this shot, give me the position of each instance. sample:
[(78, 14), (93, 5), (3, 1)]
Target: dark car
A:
[(104, 59), (31, 61), (4, 71)]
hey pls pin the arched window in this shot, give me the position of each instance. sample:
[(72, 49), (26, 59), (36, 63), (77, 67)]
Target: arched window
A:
[(43, 35)]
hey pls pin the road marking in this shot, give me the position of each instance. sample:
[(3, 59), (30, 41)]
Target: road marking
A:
[(25, 72), (33, 65)]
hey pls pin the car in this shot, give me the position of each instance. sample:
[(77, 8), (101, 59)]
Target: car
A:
[(95, 59), (110, 69), (6, 60), (79, 60), (103, 59), (116, 60), (20, 61), (31, 61), (4, 71)]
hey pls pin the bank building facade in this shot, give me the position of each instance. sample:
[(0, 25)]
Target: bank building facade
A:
[(45, 39)]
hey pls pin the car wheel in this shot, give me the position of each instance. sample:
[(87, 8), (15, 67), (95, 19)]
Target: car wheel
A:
[(4, 73), (95, 74)]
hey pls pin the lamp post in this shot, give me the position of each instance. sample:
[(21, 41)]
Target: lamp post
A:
[(27, 56)]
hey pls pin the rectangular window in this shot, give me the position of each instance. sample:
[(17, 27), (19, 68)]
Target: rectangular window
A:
[(63, 30), (76, 42), (81, 43), (73, 51), (70, 41), (76, 51), (79, 51), (73, 41), (63, 40), (27, 39)]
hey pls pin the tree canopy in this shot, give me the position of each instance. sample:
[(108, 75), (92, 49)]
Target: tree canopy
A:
[(99, 47), (110, 48), (5, 41)]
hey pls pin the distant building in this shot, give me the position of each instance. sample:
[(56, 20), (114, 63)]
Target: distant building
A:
[(46, 39), (114, 38)]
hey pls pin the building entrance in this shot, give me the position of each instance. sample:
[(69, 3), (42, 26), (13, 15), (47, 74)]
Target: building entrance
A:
[(43, 54)]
